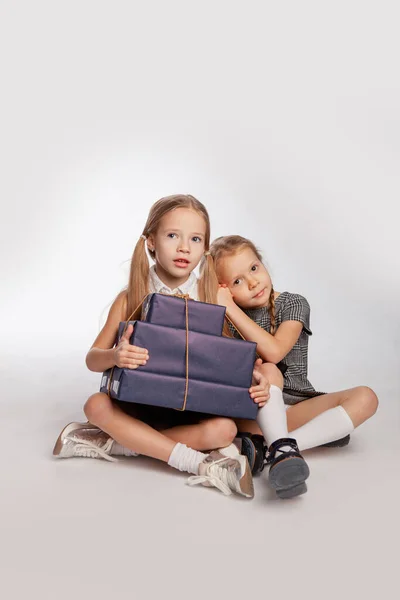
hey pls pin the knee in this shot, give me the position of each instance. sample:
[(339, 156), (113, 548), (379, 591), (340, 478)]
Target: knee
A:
[(219, 432), (98, 409), (368, 400), (272, 374)]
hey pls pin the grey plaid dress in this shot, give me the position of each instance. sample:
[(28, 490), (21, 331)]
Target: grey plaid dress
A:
[(291, 307)]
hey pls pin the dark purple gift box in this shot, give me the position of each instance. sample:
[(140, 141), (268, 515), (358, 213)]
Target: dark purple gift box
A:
[(219, 368), (170, 311)]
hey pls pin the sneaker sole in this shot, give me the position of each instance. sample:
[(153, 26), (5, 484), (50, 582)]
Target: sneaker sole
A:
[(246, 486), (246, 482), (288, 475), (292, 492), (66, 431)]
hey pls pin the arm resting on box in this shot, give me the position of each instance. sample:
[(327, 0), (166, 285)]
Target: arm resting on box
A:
[(101, 355)]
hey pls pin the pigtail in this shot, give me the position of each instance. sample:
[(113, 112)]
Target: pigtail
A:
[(208, 287), (271, 310), (138, 285), (208, 281)]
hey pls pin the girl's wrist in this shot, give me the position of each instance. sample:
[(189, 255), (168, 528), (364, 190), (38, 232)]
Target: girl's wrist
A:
[(230, 308), (113, 357)]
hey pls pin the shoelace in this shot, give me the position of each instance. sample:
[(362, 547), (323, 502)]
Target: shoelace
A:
[(219, 477), (271, 457), (88, 449)]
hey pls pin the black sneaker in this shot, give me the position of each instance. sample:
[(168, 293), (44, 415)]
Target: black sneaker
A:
[(253, 446), (288, 469)]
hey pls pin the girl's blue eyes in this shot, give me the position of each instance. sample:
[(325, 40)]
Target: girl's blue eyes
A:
[(196, 238)]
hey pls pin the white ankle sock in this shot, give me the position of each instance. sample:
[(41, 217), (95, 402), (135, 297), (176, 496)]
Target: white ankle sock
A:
[(186, 459), (272, 419), (329, 426), (118, 450)]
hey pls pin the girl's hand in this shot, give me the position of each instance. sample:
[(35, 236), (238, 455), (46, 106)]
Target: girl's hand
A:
[(126, 355), (259, 392), (224, 296)]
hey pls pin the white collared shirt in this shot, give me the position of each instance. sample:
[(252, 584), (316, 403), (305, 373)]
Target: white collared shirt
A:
[(159, 287)]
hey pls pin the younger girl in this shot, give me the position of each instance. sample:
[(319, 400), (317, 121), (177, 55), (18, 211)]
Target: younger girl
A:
[(280, 325), (177, 234)]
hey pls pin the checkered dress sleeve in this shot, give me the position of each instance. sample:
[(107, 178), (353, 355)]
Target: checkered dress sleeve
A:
[(296, 308)]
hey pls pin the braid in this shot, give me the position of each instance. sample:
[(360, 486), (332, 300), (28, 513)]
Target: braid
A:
[(271, 310)]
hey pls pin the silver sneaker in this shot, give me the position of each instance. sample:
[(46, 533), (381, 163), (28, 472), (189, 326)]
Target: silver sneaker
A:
[(227, 470), (84, 440)]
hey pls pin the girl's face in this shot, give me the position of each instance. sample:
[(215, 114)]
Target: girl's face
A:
[(246, 277), (178, 245)]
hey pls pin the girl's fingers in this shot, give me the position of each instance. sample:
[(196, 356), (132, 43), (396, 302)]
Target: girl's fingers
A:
[(125, 365), (261, 398), (260, 394), (127, 334), (260, 402), (132, 364), (137, 349), (260, 386), (134, 356), (126, 347), (259, 390)]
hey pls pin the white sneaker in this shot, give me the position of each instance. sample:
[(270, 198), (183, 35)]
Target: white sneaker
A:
[(227, 470), (84, 440)]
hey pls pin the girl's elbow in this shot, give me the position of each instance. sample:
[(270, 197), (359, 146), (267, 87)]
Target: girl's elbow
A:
[(274, 359), (270, 357), (89, 362), (278, 357)]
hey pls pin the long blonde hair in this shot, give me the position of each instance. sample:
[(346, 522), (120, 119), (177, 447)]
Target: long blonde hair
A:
[(138, 285), (231, 244)]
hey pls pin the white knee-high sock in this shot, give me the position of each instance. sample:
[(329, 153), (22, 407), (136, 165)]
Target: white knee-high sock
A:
[(186, 459), (329, 426), (272, 419)]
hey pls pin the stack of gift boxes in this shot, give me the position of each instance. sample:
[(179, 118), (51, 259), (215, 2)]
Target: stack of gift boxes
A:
[(191, 365)]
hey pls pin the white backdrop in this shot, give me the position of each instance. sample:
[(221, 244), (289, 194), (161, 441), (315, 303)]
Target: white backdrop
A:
[(282, 117)]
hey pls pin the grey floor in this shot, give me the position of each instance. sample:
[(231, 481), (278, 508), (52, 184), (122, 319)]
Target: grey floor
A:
[(83, 528)]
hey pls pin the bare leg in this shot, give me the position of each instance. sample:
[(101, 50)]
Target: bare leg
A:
[(360, 403), (226, 470), (127, 431), (216, 432), (142, 438)]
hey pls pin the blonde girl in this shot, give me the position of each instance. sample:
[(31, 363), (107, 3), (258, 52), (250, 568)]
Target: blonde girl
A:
[(177, 236), (280, 325)]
